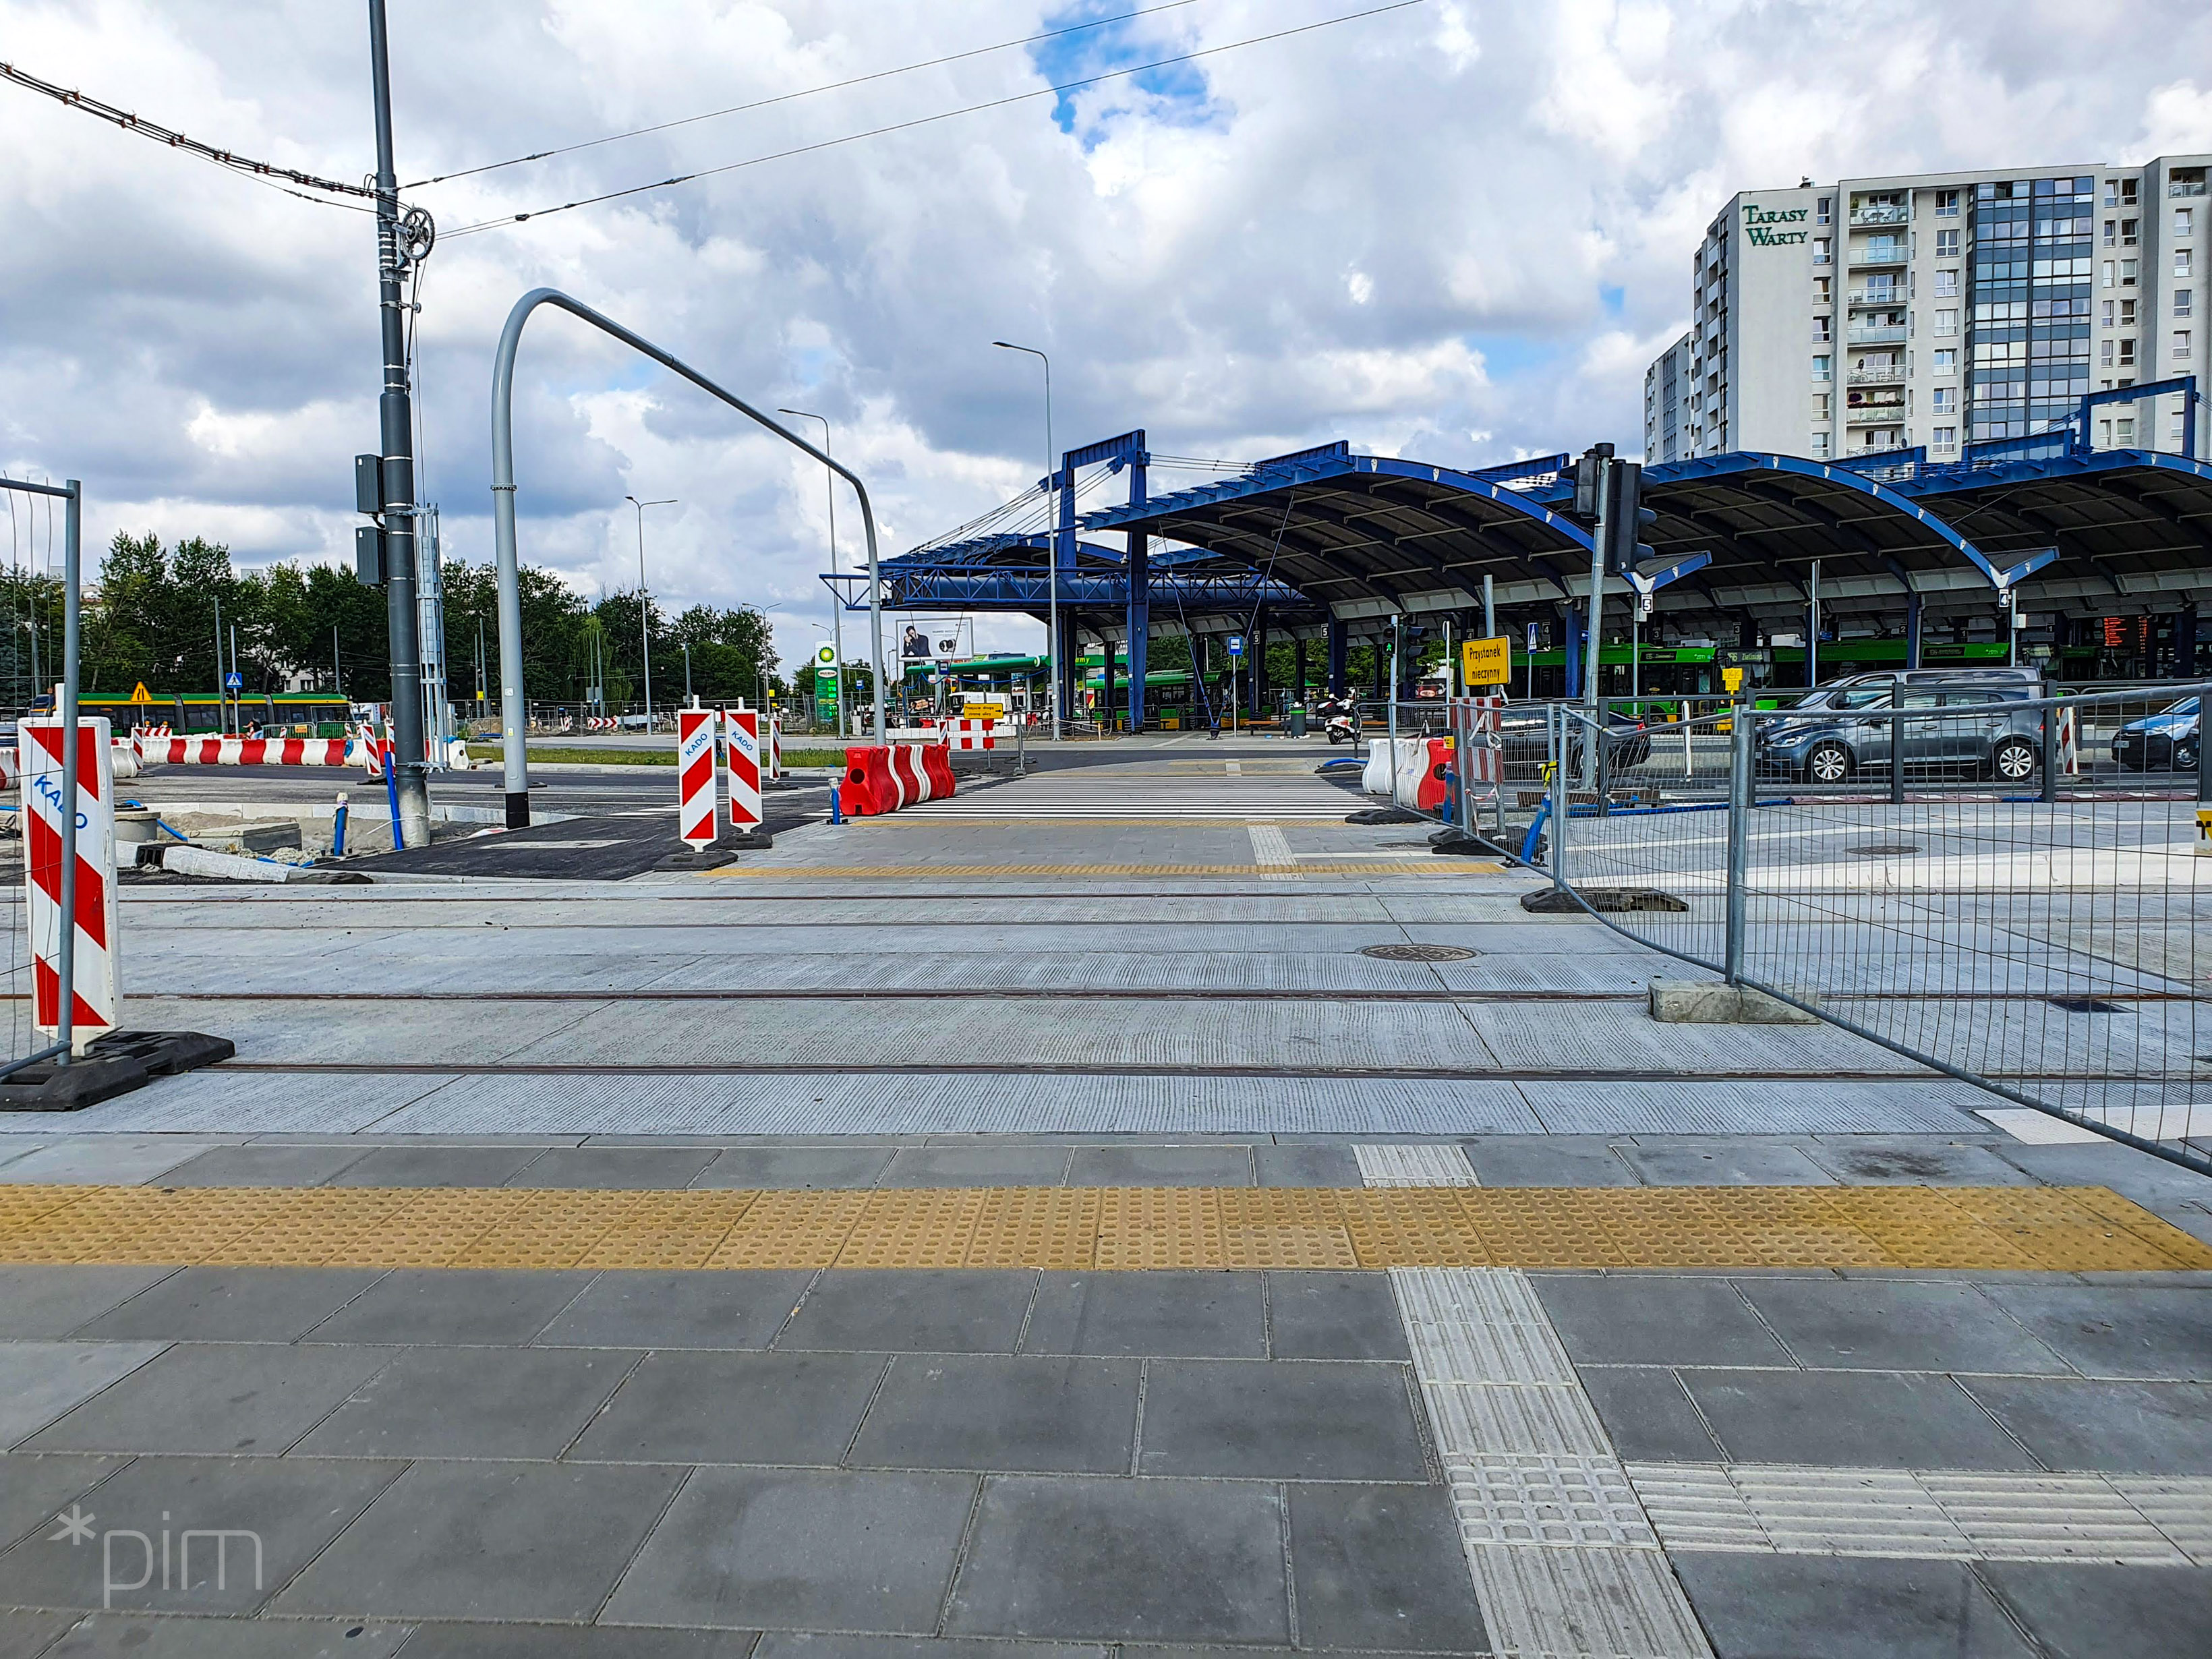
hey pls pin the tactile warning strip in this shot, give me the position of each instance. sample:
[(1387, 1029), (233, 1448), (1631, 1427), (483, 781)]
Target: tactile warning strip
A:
[(2064, 1229)]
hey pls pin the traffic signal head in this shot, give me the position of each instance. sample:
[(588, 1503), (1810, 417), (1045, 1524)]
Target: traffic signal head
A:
[(1626, 519)]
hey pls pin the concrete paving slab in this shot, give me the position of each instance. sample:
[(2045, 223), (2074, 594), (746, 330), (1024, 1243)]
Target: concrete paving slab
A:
[(1911, 1161), (977, 1166), (626, 1168), (120, 1160), (1818, 1606), (1161, 1166), (36, 1486), (1325, 1316), (795, 1166), (472, 1402), (28, 1635), (41, 1380), (38, 1300), (1380, 1567), (1648, 1414), (290, 1508), (264, 1166), (1273, 1420), (644, 1309), (1721, 1161), (1548, 1161), (967, 1310), (170, 1638), (1163, 1313), (1655, 1321), (1150, 1561), (735, 1408), (2086, 1611), (2113, 1330), (437, 1166), (215, 1399), (1028, 1414), (2150, 1428), (445, 1641), (1871, 1419), (1304, 1166), (233, 1305), (452, 1305), (1896, 1325), (795, 1549), (815, 1644), (2150, 1182), (487, 1540)]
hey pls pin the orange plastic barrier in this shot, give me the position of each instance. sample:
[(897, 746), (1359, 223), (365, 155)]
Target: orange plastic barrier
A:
[(869, 789)]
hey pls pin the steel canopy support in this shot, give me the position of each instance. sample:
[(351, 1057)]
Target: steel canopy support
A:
[(1139, 617), (511, 709), (1337, 684)]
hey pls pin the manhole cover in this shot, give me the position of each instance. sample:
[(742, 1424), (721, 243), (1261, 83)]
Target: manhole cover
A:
[(1884, 849), (2085, 1006), (1417, 953)]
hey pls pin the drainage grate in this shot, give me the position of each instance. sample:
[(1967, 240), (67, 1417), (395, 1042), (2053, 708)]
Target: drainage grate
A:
[(1417, 953), (2086, 1006), (1884, 849)]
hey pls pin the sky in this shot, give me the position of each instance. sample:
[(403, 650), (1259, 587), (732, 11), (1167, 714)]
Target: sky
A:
[(1452, 231)]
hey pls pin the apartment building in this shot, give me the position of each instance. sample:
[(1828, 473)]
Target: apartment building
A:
[(1940, 309)]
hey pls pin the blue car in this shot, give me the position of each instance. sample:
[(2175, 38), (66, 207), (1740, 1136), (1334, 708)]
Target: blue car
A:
[(2165, 741)]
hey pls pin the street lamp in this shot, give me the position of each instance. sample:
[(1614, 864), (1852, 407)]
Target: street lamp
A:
[(1052, 529), (837, 609), (645, 604)]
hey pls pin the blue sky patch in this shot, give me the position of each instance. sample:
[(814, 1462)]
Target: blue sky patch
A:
[(1177, 94)]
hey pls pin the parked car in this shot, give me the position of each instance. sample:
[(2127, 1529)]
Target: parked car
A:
[(1627, 742), (2170, 740), (1839, 731)]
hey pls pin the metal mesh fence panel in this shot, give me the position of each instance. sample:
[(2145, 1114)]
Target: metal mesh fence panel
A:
[(2009, 887)]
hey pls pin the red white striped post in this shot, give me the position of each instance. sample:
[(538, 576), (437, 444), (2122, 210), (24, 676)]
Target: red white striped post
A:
[(96, 1000), (741, 743), (695, 768), (775, 743)]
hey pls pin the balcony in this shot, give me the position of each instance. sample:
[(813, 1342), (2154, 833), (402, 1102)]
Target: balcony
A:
[(1894, 214), (1878, 375), (1878, 296), (1877, 334), (1875, 415), (2184, 187), (1878, 253)]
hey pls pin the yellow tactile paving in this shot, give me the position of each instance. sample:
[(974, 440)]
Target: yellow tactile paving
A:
[(1411, 866), (2064, 1229)]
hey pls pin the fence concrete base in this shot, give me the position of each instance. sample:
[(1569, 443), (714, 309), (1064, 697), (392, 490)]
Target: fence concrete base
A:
[(1703, 1003)]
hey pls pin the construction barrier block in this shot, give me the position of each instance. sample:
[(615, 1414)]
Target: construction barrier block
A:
[(868, 789), (937, 761)]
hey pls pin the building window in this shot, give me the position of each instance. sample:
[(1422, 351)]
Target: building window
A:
[(2128, 233), (2123, 430), (2112, 229), (1945, 437), (2185, 222), (1822, 294), (2111, 192), (2127, 273), (1944, 400), (1823, 368), (1947, 244), (1827, 209), (2127, 313), (1946, 320), (1820, 330), (2104, 314), (2104, 440), (2127, 353), (2105, 354), (2104, 274), (2181, 267), (1819, 406), (2180, 345), (2183, 299), (1946, 359), (1947, 284), (1820, 446), (1822, 254), (2128, 192), (1946, 204)]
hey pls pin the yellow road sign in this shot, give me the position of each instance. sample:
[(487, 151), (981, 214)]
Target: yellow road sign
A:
[(1486, 662), (1731, 679), (141, 694)]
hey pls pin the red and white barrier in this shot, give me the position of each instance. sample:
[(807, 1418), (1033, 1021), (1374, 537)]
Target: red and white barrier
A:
[(95, 999), (601, 723), (884, 777), (2070, 748), (742, 748), (246, 752), (1481, 757), (969, 735), (775, 744), (695, 769)]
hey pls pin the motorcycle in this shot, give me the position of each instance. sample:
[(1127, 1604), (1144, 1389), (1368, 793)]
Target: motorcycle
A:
[(1340, 720)]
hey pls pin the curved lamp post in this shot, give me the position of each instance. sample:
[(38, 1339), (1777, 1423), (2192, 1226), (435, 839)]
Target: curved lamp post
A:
[(512, 718)]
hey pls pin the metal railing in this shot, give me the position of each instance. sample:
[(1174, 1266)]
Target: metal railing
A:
[(1895, 214), (2014, 891)]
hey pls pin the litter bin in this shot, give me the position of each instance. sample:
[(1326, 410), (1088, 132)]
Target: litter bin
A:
[(1298, 720)]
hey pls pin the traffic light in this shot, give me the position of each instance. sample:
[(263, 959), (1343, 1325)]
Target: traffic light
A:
[(1589, 481), (369, 538), (1626, 518)]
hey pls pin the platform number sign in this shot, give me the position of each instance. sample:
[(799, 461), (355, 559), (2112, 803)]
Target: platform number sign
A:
[(1235, 644)]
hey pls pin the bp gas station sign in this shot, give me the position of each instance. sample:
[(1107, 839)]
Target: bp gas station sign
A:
[(825, 685)]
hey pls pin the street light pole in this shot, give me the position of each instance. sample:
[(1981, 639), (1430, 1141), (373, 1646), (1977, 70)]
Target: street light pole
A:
[(645, 604), (837, 609), (1052, 529)]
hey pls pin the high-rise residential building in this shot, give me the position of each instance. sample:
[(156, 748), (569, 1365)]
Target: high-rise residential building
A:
[(1940, 309)]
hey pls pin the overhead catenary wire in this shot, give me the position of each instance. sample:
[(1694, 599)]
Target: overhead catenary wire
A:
[(504, 220), (266, 172), (804, 92)]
